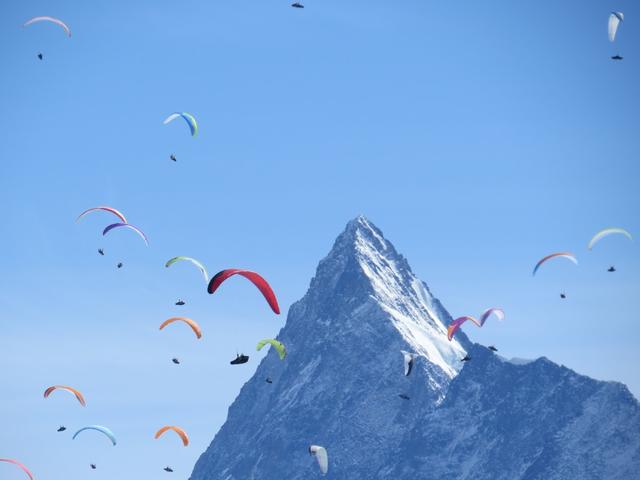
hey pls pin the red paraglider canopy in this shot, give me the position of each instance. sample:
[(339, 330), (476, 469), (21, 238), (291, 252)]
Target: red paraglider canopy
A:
[(253, 277)]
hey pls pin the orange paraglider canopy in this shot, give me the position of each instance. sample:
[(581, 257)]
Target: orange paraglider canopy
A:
[(77, 393), (178, 430), (194, 326)]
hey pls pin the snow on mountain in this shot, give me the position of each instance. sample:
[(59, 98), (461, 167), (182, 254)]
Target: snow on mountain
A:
[(339, 388)]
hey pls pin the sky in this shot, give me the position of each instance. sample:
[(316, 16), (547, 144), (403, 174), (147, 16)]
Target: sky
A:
[(479, 136)]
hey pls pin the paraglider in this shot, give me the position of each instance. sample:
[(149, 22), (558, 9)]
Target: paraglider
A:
[(605, 233), (409, 361), (108, 228), (66, 388), (93, 466), (119, 265), (297, 5), (268, 380), (101, 252), (57, 21), (40, 56), (321, 457), (98, 428), (180, 303), (466, 358), (457, 323), (106, 209), (240, 359), (61, 428), (168, 469), (611, 269), (19, 465), (195, 262), (498, 312), (194, 326), (282, 351), (181, 433), (617, 57), (190, 119), (176, 361), (563, 296), (173, 157), (492, 348), (404, 396), (253, 277), (567, 255), (614, 22)]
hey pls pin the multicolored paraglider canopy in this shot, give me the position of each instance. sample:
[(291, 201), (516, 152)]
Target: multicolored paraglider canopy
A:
[(567, 255), (66, 388), (605, 232), (199, 265), (190, 119), (108, 228)]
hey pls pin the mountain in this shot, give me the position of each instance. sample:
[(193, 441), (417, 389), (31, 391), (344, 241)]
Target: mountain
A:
[(339, 387)]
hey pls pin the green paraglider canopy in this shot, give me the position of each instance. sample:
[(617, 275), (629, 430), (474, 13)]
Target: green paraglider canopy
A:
[(282, 351)]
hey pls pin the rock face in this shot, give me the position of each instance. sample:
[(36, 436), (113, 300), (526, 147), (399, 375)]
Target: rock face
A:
[(339, 387)]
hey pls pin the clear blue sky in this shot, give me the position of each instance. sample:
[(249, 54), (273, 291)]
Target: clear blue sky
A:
[(479, 136)]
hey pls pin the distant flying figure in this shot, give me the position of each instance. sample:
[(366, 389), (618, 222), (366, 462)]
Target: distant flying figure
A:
[(562, 295), (297, 5), (611, 269), (93, 466), (168, 469), (268, 380), (409, 361), (101, 251), (492, 348), (173, 157), (119, 265), (176, 361), (61, 429), (180, 302), (617, 57), (404, 397), (40, 56), (466, 358), (240, 359)]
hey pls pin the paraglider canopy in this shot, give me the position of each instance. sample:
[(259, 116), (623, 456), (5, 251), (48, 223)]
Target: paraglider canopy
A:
[(19, 465), (282, 351), (605, 232), (178, 430), (567, 255), (498, 312), (190, 119), (253, 277), (57, 21), (457, 323), (194, 326), (195, 262), (98, 428), (409, 361), (108, 228), (106, 209), (321, 457), (66, 388), (614, 22), (297, 5)]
